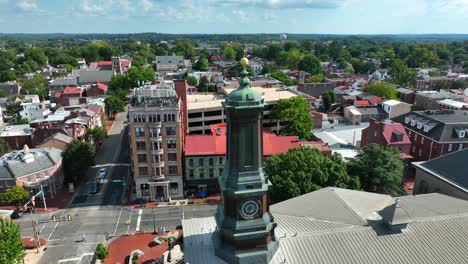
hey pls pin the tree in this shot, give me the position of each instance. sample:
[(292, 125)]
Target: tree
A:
[(37, 55), (4, 147), (191, 80), (237, 69), (382, 89), (380, 169), (328, 97), (295, 111), (15, 195), (34, 85), (7, 75), (204, 83), (97, 134), (294, 57), (400, 73), (303, 170), (310, 64), (11, 245), (185, 48), (229, 54), (77, 158), (101, 251), (139, 75), (201, 64), (440, 85), (459, 84), (282, 77), (114, 104), (318, 78)]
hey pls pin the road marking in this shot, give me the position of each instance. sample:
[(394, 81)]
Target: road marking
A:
[(139, 220), (160, 219), (118, 220), (52, 246), (55, 227), (44, 225), (130, 220), (77, 258)]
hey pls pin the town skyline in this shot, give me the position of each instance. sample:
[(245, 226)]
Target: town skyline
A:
[(350, 17)]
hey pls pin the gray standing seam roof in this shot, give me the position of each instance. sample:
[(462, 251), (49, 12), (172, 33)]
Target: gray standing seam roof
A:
[(437, 232)]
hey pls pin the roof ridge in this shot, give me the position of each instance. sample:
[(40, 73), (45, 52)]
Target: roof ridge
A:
[(332, 189)]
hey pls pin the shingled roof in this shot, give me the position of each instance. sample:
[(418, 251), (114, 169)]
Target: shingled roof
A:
[(337, 226)]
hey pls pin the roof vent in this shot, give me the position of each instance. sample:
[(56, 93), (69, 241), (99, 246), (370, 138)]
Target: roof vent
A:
[(395, 217)]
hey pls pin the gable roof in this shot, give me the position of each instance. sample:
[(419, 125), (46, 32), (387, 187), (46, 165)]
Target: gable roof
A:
[(391, 129)]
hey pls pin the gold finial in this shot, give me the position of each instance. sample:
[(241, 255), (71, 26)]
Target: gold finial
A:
[(244, 62), (26, 149)]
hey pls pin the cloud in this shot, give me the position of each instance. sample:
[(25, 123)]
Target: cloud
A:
[(281, 4), (93, 8), (453, 6), (27, 5), (243, 16)]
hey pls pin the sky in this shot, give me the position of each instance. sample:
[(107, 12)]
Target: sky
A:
[(235, 16)]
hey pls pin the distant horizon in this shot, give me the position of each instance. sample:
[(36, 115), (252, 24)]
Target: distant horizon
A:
[(257, 33), (337, 17)]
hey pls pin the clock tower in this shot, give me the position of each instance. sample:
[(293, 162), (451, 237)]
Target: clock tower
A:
[(245, 226)]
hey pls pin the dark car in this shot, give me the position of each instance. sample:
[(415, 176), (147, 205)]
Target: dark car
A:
[(16, 214)]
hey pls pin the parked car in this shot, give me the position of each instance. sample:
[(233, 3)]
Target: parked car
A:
[(102, 173)]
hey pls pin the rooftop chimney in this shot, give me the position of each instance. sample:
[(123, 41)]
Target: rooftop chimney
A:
[(395, 217)]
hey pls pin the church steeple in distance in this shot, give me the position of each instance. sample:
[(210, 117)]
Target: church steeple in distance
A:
[(245, 225)]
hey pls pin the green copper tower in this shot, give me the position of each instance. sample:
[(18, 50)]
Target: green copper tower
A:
[(245, 226)]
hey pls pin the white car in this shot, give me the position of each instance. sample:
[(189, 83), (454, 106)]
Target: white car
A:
[(102, 173)]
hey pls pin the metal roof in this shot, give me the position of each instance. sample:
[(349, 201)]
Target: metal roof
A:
[(436, 232)]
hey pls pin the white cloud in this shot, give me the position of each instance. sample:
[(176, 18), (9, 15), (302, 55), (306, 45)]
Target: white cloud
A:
[(93, 8), (453, 6), (147, 5), (243, 16), (27, 5), (277, 4)]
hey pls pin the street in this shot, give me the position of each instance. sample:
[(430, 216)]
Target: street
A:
[(99, 223)]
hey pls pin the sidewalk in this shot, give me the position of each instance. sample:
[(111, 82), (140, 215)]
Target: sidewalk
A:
[(61, 200), (32, 256), (190, 201)]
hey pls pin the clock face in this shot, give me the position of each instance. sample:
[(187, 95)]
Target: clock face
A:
[(250, 209)]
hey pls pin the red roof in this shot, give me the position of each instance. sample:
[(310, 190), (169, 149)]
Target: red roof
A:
[(342, 87), (125, 62), (391, 129), (58, 95), (94, 64), (215, 144), (101, 86), (95, 108), (71, 90), (375, 100), (362, 102), (104, 63)]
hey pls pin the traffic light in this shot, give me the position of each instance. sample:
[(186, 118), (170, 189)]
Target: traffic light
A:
[(69, 217), (54, 218)]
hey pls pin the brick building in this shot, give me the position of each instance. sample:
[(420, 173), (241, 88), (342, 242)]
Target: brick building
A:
[(97, 89), (435, 133), (386, 133)]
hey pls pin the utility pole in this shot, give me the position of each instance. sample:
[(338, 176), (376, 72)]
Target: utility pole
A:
[(43, 197), (36, 234), (154, 223)]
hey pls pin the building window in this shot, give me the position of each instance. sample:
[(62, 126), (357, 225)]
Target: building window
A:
[(156, 159), (221, 161), (139, 131), (201, 173), (415, 136), (135, 119), (210, 162), (159, 118), (156, 146), (154, 132), (414, 149), (142, 158), (420, 152), (174, 188), (220, 171), (211, 173), (170, 131), (191, 174), (144, 189), (171, 144), (190, 162), (140, 145), (407, 120), (460, 146), (450, 146), (172, 156), (409, 134), (165, 118), (461, 134), (422, 140), (157, 172), (143, 171), (200, 162), (420, 125), (172, 170)]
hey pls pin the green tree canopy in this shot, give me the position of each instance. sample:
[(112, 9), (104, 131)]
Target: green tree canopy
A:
[(97, 134), (382, 89), (329, 98), (185, 48), (191, 80), (303, 170), (11, 245), (380, 169), (310, 64), (295, 111), (401, 74), (201, 64), (101, 251), (229, 54), (37, 55), (282, 77), (318, 78), (77, 158), (114, 104), (294, 57), (15, 195)]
